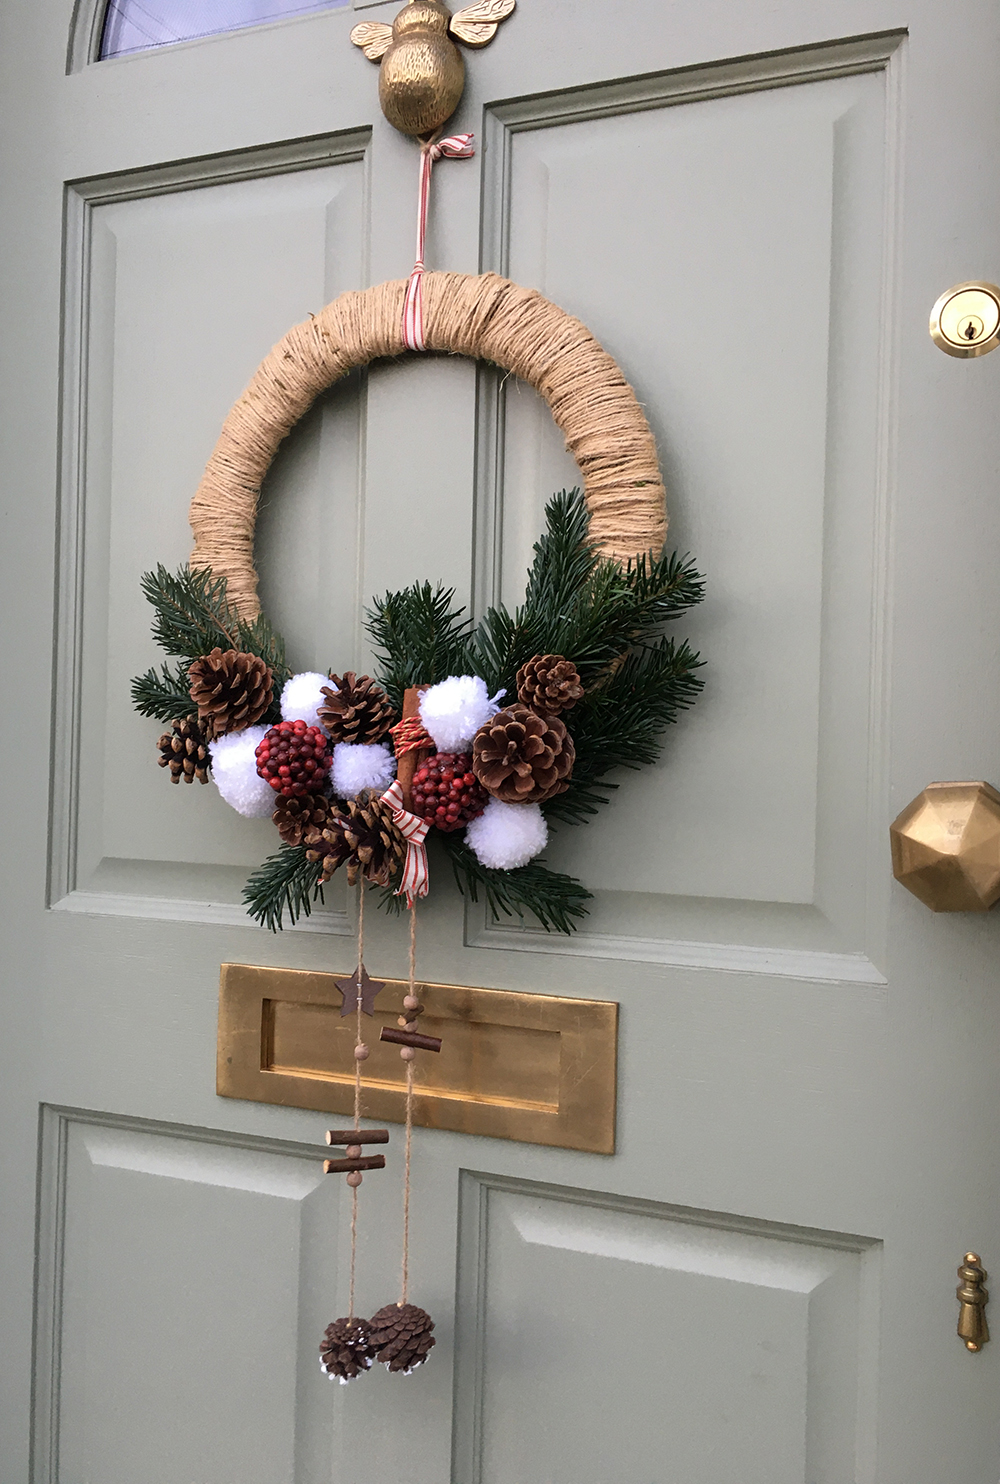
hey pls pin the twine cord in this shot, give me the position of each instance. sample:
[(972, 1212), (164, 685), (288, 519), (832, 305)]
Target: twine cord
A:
[(405, 1285), (455, 147), (482, 316), (357, 1098)]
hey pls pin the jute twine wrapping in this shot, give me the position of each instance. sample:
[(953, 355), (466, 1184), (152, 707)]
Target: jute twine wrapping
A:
[(484, 317)]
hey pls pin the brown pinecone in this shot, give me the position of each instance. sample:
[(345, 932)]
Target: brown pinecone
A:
[(356, 709), (231, 690), (184, 750), (401, 1336), (296, 817), (521, 757), (366, 838), (549, 683), (327, 845), (346, 1350)]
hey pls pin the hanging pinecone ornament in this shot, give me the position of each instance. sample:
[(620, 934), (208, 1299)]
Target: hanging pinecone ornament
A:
[(549, 684), (521, 757), (346, 1350), (356, 709), (184, 750), (294, 759), (365, 838), (230, 689), (295, 818), (446, 792), (401, 1336)]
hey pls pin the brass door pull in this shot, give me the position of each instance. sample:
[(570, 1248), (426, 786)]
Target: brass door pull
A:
[(946, 847), (973, 1297)]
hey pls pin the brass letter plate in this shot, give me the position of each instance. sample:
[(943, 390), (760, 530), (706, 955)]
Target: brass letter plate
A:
[(532, 1067)]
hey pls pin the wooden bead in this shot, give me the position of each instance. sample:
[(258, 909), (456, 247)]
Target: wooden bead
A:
[(408, 1053), (410, 1002), (361, 1053), (354, 1151), (355, 1178)]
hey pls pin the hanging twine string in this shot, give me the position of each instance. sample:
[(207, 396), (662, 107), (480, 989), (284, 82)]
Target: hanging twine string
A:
[(358, 1045), (410, 735), (455, 147), (412, 992)]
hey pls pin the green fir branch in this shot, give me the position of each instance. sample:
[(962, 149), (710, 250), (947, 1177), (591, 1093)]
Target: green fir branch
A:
[(419, 638), (556, 900), (285, 883), (193, 615), (163, 694)]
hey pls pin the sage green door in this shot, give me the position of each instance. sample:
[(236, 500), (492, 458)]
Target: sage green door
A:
[(754, 209)]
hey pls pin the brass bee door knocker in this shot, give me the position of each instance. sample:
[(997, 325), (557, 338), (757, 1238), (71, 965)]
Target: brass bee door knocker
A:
[(422, 73)]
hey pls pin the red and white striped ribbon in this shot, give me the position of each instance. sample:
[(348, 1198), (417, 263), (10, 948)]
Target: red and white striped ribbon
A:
[(414, 831), (455, 147)]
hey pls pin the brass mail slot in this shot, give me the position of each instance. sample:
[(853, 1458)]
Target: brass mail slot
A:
[(537, 1068)]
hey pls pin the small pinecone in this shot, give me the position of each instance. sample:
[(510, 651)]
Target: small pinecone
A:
[(184, 750), (346, 1350), (231, 690), (366, 838), (295, 818), (293, 758), (523, 758), (401, 1336), (356, 709), (446, 792), (327, 845), (549, 683)]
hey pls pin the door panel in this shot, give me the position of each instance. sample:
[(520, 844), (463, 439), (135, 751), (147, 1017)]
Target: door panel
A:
[(754, 208), (753, 1347)]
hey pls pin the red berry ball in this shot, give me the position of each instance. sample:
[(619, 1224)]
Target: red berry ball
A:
[(293, 758), (446, 792)]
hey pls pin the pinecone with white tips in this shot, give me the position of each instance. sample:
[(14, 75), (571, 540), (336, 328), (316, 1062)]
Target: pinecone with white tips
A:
[(346, 1350)]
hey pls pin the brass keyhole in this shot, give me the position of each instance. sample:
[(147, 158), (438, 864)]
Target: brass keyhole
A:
[(971, 328), (966, 320)]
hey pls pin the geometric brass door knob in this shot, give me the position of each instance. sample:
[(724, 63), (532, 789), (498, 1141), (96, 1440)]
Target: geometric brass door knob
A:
[(946, 847)]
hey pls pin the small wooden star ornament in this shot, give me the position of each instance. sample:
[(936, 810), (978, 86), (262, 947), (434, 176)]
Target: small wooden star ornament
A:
[(361, 987)]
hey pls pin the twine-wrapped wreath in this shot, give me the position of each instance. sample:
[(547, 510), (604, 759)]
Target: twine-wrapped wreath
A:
[(498, 730), (485, 317)]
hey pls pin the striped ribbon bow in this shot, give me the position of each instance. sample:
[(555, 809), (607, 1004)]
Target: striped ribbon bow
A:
[(414, 832), (455, 147)]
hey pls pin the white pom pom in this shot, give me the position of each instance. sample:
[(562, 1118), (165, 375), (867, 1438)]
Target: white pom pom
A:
[(303, 696), (234, 772), (506, 836), (357, 765), (454, 710)]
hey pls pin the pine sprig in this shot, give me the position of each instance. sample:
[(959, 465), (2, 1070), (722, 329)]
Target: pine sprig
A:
[(163, 694), (285, 883), (193, 616), (419, 637), (555, 899)]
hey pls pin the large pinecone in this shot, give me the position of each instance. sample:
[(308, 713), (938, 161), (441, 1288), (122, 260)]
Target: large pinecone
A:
[(184, 750), (346, 1350), (401, 1336), (549, 683), (356, 709), (231, 690), (521, 757), (366, 838), (295, 818)]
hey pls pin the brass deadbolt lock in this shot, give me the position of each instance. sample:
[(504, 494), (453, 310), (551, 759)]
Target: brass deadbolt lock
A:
[(965, 321)]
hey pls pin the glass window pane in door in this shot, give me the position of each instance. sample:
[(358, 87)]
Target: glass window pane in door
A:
[(139, 25)]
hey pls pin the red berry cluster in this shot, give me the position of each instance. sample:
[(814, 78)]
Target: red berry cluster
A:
[(294, 759), (446, 792)]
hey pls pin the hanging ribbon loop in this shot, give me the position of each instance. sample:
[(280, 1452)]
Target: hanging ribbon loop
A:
[(414, 832), (455, 147)]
